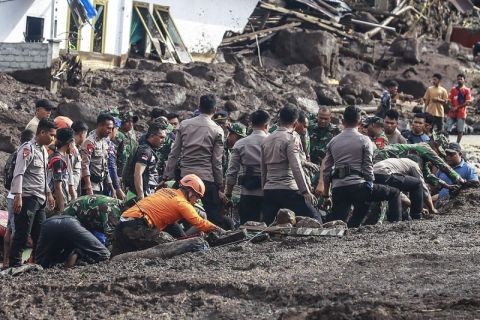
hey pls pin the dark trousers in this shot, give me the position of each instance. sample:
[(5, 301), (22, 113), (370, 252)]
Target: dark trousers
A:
[(408, 184), (62, 236), (250, 208), (360, 196), (274, 200), (438, 123), (27, 222), (134, 235), (214, 207)]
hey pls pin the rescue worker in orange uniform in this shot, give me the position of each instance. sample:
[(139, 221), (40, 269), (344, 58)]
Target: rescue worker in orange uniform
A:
[(140, 226)]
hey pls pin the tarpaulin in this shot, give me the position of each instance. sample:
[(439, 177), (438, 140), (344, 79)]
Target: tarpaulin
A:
[(89, 8)]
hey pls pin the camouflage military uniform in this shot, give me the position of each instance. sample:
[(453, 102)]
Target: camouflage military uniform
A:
[(125, 143), (319, 138), (96, 213), (241, 131), (381, 140), (425, 152)]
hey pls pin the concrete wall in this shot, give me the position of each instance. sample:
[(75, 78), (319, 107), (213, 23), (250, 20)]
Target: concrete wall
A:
[(25, 56), (13, 17)]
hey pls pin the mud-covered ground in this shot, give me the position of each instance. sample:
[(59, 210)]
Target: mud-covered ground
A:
[(412, 270)]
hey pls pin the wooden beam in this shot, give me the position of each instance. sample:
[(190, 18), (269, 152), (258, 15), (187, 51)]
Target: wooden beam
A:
[(252, 35)]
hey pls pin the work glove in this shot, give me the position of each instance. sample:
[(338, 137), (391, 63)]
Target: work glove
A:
[(310, 198)]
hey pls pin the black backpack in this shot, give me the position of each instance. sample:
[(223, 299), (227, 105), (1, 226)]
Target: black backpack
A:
[(10, 168), (129, 170)]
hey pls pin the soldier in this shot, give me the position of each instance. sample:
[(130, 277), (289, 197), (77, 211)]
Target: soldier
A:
[(60, 170), (374, 126), (43, 110), (125, 140), (320, 135), (427, 154), (80, 130), (302, 129), (349, 171), (283, 179), (30, 189), (245, 167), (236, 131), (199, 142), (97, 214), (174, 121), (94, 152), (141, 172)]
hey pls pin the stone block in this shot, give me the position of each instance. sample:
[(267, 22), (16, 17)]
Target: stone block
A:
[(20, 58)]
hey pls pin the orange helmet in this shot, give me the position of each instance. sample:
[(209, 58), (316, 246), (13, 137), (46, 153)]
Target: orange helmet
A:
[(63, 122), (194, 182)]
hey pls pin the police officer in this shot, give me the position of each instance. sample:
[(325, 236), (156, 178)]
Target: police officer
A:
[(125, 140), (320, 134), (94, 152), (29, 186), (374, 126), (283, 179), (199, 142), (144, 164), (80, 129), (349, 170), (245, 167)]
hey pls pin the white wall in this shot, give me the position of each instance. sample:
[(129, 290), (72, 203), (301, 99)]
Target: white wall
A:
[(202, 23), (13, 18)]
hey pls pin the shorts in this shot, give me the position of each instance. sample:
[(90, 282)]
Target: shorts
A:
[(460, 124), (11, 215)]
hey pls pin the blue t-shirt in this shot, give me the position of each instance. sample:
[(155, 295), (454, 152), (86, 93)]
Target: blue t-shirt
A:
[(413, 138), (464, 169)]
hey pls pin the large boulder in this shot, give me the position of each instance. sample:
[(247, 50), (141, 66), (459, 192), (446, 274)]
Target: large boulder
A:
[(356, 85), (407, 48), (328, 96), (312, 48), (181, 78), (78, 111)]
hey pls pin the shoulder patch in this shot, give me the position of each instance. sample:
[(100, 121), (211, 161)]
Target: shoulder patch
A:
[(26, 152), (90, 147)]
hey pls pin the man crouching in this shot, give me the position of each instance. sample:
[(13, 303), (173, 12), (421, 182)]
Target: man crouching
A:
[(140, 226)]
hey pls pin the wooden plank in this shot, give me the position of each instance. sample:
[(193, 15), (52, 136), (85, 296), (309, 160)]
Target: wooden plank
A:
[(252, 35), (327, 232), (327, 25)]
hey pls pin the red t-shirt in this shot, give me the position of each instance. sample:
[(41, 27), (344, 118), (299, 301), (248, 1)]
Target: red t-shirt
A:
[(460, 113)]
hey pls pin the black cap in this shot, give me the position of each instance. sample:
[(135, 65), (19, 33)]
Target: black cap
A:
[(64, 136), (453, 147), (46, 104), (220, 115)]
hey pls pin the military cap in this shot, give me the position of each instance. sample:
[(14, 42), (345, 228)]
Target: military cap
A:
[(128, 116), (220, 115), (238, 128), (372, 120)]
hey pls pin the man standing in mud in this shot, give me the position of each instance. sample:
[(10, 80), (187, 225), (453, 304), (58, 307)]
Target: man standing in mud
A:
[(283, 179), (435, 98), (199, 142), (460, 98), (94, 152), (43, 110), (349, 170), (320, 134)]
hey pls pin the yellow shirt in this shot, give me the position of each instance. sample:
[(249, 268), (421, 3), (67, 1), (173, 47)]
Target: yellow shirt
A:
[(432, 107), (168, 206)]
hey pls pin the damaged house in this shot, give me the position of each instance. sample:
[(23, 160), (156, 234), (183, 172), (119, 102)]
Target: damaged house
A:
[(104, 32)]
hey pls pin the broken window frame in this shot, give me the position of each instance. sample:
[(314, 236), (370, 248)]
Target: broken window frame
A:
[(103, 3), (170, 57), (70, 15), (181, 44)]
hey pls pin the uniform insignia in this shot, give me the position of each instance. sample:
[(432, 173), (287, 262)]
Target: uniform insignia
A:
[(26, 152), (145, 157), (90, 147)]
